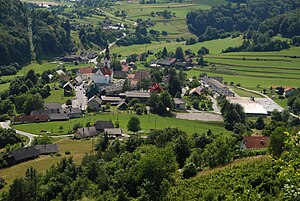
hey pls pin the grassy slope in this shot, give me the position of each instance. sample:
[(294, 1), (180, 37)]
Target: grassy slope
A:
[(4, 86), (176, 26), (77, 148), (272, 68), (147, 123), (215, 46)]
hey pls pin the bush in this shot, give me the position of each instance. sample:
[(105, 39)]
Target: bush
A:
[(139, 111), (67, 152), (2, 185), (189, 170)]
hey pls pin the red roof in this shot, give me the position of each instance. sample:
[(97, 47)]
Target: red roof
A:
[(37, 118), (255, 142), (105, 70), (130, 76), (155, 87), (87, 70), (125, 68)]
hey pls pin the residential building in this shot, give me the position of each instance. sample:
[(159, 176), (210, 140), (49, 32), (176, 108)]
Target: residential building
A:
[(101, 125), (30, 119), (94, 103), (113, 132), (58, 117), (180, 104), (23, 154), (122, 105), (143, 96), (217, 87), (113, 100), (47, 148), (86, 132)]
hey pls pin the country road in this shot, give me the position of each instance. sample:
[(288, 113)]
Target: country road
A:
[(31, 136)]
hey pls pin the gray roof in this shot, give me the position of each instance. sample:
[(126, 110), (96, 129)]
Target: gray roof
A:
[(47, 148), (24, 153), (87, 132), (52, 106), (137, 94), (179, 101), (113, 131), (58, 116), (213, 82), (96, 98), (71, 111), (119, 74), (68, 84), (101, 125), (111, 98)]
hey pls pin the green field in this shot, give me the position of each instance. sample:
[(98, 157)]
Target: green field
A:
[(147, 122), (176, 26), (243, 93), (77, 148), (257, 70), (214, 46), (40, 68)]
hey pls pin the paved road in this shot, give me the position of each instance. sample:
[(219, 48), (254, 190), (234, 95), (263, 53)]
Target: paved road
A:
[(29, 135), (109, 46), (215, 105), (81, 99)]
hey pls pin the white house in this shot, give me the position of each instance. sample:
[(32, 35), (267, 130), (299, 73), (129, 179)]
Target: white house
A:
[(101, 75)]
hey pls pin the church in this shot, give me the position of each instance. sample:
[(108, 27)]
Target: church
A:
[(102, 74)]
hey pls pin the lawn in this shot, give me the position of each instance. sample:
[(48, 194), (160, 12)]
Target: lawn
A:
[(214, 46), (57, 96), (243, 93), (77, 148), (147, 122)]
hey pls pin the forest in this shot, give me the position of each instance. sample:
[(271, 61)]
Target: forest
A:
[(19, 24), (258, 20)]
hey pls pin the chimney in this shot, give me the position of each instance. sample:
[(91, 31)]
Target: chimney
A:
[(262, 142)]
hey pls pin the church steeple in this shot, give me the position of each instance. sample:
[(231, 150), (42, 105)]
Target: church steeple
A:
[(107, 57)]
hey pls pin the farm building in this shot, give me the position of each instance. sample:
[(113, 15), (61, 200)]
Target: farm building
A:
[(254, 142)]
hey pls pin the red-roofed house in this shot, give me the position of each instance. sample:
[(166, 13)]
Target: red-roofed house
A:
[(255, 142), (87, 73), (156, 88), (102, 75)]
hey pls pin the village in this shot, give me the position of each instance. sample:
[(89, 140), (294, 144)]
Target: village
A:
[(98, 88)]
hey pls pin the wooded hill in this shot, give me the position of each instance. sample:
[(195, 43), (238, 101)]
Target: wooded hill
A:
[(262, 16), (19, 25)]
